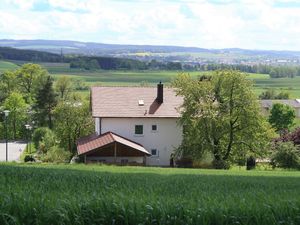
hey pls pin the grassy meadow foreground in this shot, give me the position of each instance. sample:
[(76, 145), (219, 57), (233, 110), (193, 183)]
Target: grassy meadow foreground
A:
[(81, 194)]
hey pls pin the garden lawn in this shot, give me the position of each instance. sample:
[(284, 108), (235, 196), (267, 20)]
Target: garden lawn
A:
[(85, 194)]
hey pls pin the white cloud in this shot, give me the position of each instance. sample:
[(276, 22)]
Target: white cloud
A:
[(72, 5), (21, 4), (246, 23)]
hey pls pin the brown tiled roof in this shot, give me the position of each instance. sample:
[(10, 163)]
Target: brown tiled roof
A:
[(94, 141), (124, 102), (291, 102)]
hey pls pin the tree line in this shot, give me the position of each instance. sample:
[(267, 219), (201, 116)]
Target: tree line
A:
[(274, 71), (86, 62), (28, 55), (114, 63), (110, 63)]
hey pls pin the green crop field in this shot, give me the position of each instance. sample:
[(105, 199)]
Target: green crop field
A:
[(4, 66), (93, 194)]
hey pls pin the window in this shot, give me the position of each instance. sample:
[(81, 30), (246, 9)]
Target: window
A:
[(154, 152), (154, 127), (138, 129)]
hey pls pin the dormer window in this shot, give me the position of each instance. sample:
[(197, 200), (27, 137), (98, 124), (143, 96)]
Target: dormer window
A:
[(141, 102)]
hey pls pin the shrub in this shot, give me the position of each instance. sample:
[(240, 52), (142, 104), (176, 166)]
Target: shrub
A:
[(29, 158), (285, 155), (56, 154), (47, 142), (38, 135)]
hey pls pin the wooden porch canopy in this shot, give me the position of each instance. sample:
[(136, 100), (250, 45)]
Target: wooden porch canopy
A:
[(109, 145)]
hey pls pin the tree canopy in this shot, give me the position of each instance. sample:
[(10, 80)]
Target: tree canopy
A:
[(282, 117), (221, 116)]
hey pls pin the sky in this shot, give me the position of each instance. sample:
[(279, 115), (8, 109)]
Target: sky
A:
[(248, 24)]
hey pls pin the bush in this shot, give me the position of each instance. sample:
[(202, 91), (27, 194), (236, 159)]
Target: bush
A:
[(56, 154), (48, 141), (29, 158), (285, 155), (39, 134)]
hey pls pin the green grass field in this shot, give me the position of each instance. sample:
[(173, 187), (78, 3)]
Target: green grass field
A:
[(262, 82), (4, 66), (85, 194)]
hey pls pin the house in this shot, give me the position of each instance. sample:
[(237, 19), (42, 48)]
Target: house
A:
[(133, 125), (266, 105)]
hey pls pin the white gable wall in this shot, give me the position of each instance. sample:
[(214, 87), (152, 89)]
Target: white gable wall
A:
[(165, 139)]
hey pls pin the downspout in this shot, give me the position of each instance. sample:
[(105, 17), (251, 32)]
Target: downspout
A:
[(100, 125)]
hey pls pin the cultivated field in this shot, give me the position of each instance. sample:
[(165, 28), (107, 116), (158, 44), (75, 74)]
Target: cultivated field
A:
[(81, 194), (135, 78), (4, 66)]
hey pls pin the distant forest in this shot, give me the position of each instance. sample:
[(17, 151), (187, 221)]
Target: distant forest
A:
[(274, 71), (112, 63), (28, 55)]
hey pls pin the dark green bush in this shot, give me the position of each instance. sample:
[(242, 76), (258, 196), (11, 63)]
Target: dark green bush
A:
[(29, 158), (285, 155), (38, 135), (56, 154)]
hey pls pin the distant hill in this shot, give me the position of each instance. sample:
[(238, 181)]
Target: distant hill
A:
[(91, 48), (82, 62), (8, 53)]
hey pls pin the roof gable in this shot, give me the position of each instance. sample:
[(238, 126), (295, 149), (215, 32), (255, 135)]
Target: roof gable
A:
[(291, 102), (94, 141), (124, 102)]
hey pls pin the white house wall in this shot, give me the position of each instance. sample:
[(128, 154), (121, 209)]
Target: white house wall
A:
[(297, 112), (167, 137)]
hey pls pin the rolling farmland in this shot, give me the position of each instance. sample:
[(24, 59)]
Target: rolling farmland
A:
[(262, 82)]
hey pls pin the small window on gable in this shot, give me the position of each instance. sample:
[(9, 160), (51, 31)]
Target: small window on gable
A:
[(154, 152), (154, 127), (139, 129)]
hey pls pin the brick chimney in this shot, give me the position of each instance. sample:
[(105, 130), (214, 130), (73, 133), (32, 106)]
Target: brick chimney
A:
[(160, 93)]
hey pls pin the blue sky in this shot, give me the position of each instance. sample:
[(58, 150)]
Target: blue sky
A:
[(250, 24)]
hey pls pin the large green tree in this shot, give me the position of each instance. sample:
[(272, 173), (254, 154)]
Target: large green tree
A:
[(282, 117), (8, 84), (45, 102), (72, 120), (15, 103), (29, 78), (221, 115), (64, 86)]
